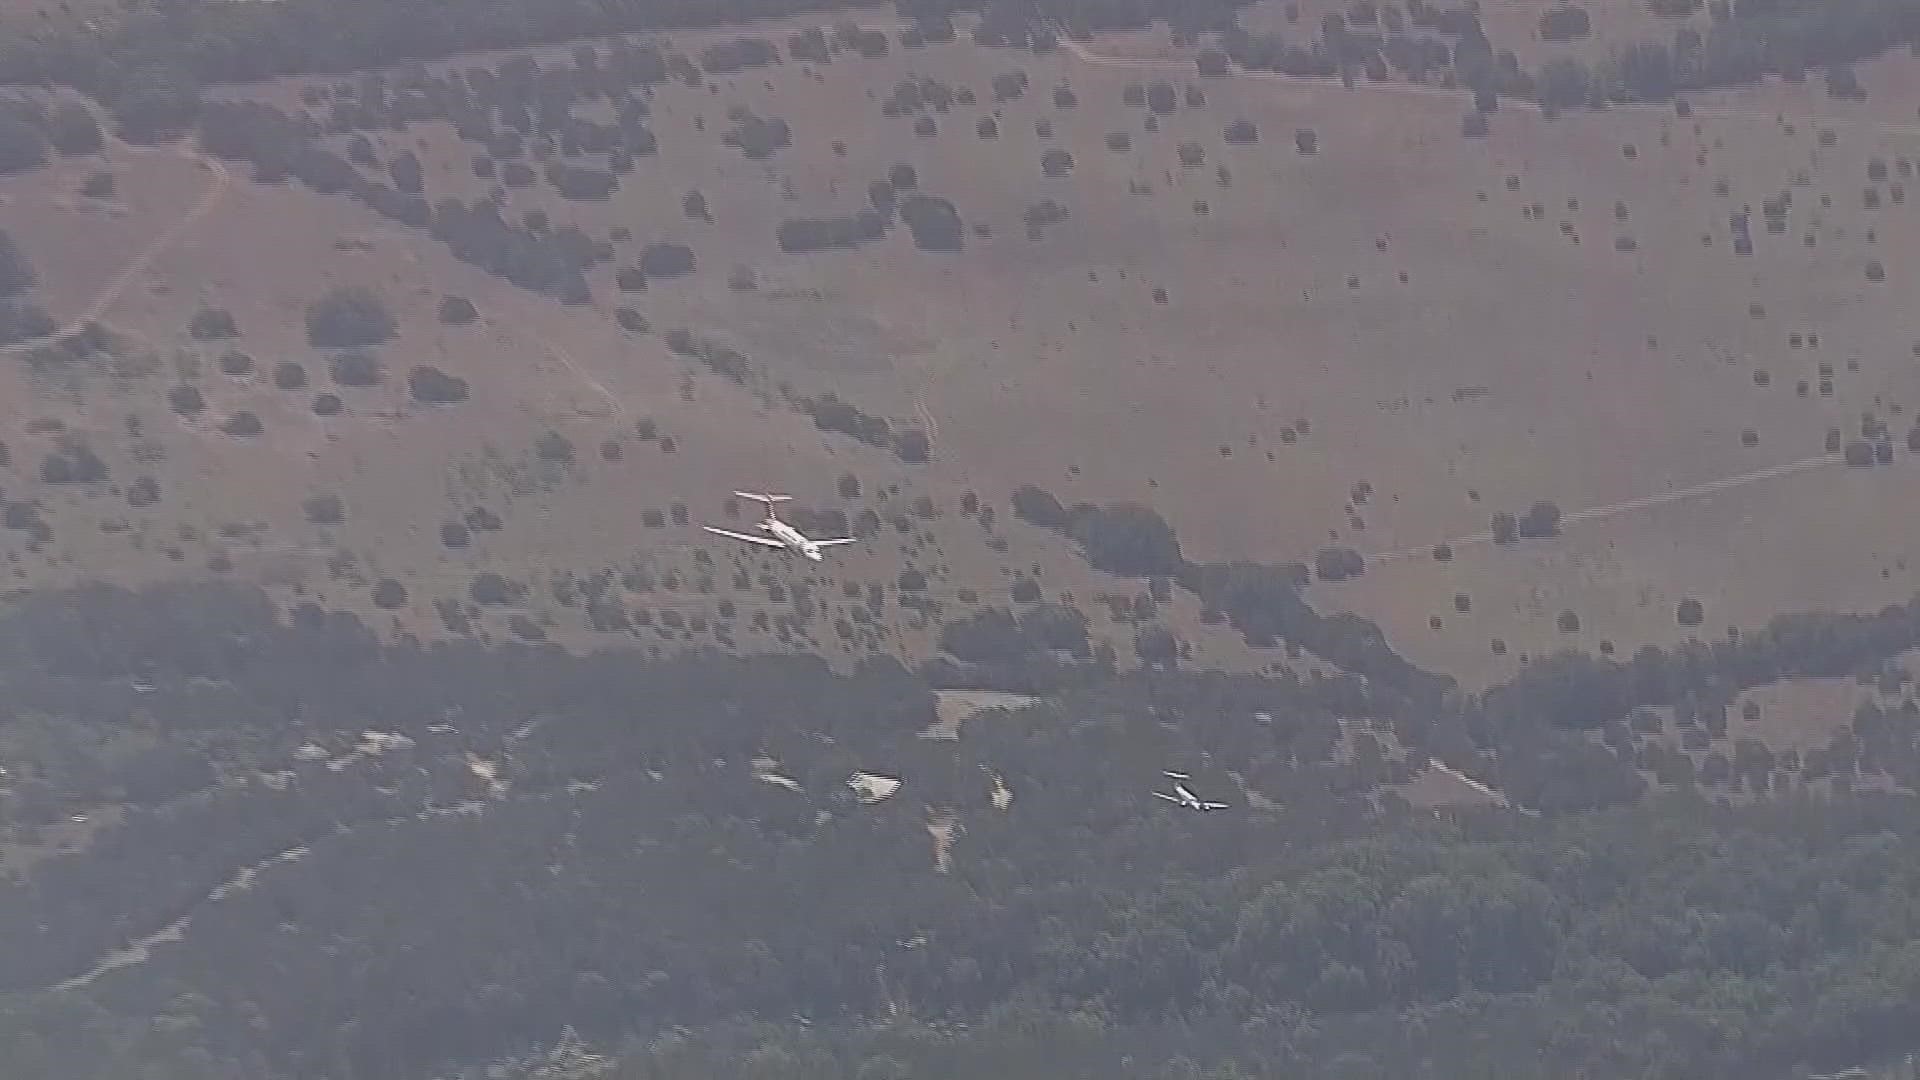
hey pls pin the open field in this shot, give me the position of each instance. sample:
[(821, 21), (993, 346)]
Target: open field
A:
[(1463, 326)]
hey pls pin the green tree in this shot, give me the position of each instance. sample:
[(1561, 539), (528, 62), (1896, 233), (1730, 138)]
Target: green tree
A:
[(16, 273), (349, 317)]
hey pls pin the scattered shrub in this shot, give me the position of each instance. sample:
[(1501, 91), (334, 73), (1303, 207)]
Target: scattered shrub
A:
[(211, 324), (324, 509), (357, 368), (432, 386), (349, 317), (457, 311), (242, 424)]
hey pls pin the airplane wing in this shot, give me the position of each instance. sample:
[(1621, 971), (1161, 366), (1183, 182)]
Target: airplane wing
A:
[(1164, 795), (836, 540), (1182, 789), (1171, 775), (763, 541), (1213, 806)]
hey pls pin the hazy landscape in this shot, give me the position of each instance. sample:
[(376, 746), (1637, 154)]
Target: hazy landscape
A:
[(1459, 438)]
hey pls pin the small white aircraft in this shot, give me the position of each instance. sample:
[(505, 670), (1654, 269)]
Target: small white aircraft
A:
[(781, 534), (1184, 797)]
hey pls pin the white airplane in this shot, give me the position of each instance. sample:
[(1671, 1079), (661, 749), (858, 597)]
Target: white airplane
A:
[(1187, 798), (781, 534)]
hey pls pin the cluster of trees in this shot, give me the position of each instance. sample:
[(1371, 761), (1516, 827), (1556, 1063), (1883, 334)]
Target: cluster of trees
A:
[(796, 235), (29, 129), (609, 870), (20, 319), (1541, 521), (934, 223), (1742, 43), (1261, 601), (528, 254), (1581, 691)]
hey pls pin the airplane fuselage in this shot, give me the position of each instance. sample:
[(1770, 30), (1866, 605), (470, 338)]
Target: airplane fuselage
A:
[(791, 537)]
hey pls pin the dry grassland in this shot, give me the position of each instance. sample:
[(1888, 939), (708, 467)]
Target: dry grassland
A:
[(1522, 357)]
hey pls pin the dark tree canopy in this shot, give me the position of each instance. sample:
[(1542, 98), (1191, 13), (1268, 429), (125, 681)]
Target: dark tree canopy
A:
[(72, 129), (349, 317), (16, 273), (23, 145), (429, 385), (356, 368), (662, 260)]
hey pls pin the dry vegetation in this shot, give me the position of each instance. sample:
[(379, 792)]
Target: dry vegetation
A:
[(1377, 345)]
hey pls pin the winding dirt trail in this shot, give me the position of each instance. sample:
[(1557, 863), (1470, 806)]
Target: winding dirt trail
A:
[(103, 301)]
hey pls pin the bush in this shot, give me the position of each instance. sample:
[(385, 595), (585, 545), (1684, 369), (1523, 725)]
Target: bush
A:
[(16, 274), (1338, 564), (666, 260), (1241, 133), (327, 405), (75, 463), (349, 317), (72, 129), (186, 400), (288, 375), (912, 446), (1056, 162), (491, 589), (555, 447), (457, 311), (23, 322), (1689, 612), (1038, 507), (797, 235), (143, 492), (630, 279), (1565, 23), (22, 146), (356, 369), (212, 324), (1542, 519), (631, 321), (242, 425), (389, 595), (934, 223), (1156, 645), (1126, 539), (236, 364), (323, 509), (431, 386), (453, 534)]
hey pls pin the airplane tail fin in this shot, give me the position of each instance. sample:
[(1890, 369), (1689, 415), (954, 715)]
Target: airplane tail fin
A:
[(760, 497)]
